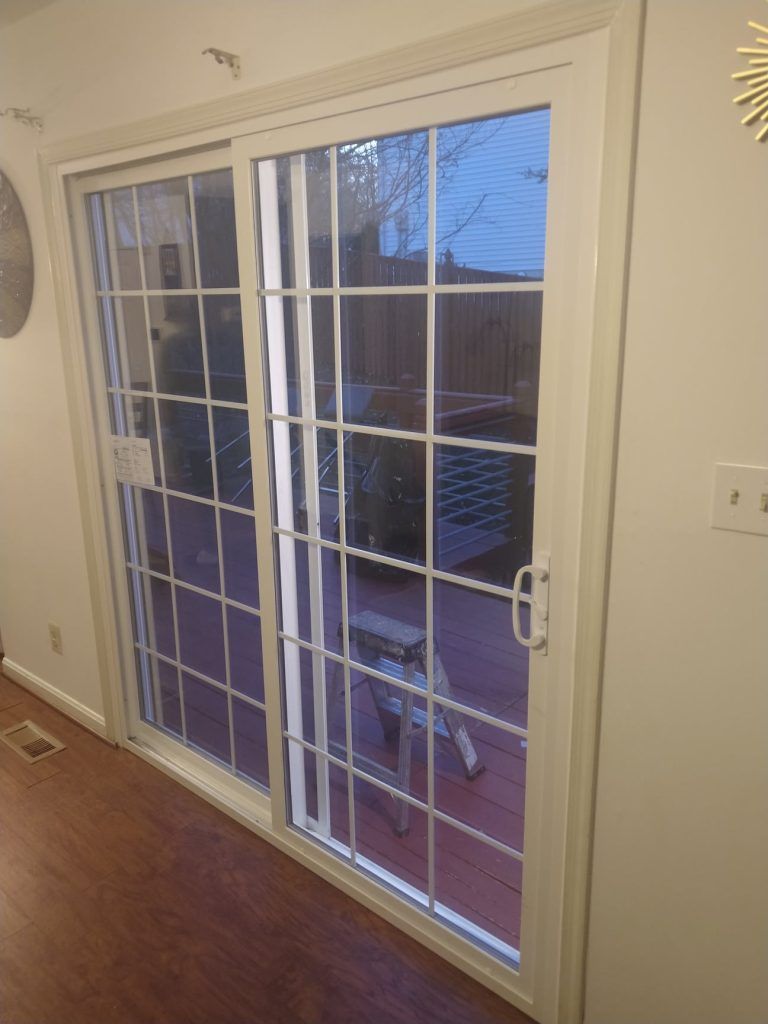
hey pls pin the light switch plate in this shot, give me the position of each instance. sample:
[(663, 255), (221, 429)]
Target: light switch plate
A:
[(740, 498)]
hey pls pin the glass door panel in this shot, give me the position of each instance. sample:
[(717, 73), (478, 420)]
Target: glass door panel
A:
[(167, 289), (401, 289)]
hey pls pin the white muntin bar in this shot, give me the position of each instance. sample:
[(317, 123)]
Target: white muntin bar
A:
[(184, 585), (281, 460), (305, 357), (411, 289), (429, 507), (161, 459), (219, 403), (214, 468), (209, 680), (164, 293)]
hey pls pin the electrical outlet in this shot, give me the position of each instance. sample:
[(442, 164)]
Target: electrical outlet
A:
[(54, 635)]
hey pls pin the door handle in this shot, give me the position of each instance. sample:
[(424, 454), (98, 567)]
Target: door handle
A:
[(539, 573)]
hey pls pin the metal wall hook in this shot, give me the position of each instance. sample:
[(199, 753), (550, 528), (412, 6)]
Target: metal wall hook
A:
[(23, 114), (232, 60)]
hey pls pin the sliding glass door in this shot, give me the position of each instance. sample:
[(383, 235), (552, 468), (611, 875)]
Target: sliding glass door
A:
[(340, 378)]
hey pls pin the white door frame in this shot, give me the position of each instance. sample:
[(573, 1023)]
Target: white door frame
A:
[(614, 27)]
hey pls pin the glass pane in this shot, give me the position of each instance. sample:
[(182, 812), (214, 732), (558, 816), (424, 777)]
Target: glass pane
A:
[(152, 613), (318, 619), (483, 512), (238, 542), (323, 471), (233, 456), (216, 239), (138, 416), (224, 337), (177, 345), (383, 185), (201, 634), (387, 617), (246, 668), (491, 798), (146, 542), (290, 189), (166, 234), (404, 856), (481, 884), (115, 210), (380, 729), (319, 683), (288, 321), (250, 725), (207, 717), (163, 682), (195, 549), (483, 665), (384, 479), (487, 349), (126, 352), (384, 359), (492, 199), (186, 447)]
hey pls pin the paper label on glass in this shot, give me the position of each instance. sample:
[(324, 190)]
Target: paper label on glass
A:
[(133, 460)]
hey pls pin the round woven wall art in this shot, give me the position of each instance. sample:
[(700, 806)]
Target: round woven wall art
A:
[(17, 272)]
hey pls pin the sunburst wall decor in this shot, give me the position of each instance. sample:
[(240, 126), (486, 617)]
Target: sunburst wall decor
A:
[(756, 77)]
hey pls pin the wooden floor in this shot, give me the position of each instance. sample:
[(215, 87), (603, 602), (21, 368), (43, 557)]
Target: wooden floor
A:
[(125, 899)]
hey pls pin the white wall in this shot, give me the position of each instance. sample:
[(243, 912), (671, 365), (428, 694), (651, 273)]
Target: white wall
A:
[(680, 911), (680, 901)]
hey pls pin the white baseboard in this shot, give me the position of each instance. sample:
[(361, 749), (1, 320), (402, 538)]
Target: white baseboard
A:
[(56, 698)]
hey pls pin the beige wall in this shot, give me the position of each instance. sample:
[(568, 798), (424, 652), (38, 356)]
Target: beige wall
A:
[(680, 900), (680, 906)]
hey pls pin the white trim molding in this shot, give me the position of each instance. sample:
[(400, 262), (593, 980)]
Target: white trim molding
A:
[(56, 698), (533, 26)]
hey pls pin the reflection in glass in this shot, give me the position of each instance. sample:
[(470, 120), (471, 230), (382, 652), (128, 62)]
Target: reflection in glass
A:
[(224, 338), (201, 634), (238, 543), (250, 728), (193, 537), (291, 319), (186, 447), (207, 717), (138, 415), (216, 238), (384, 478), (308, 516), (486, 667), (383, 185), (115, 208), (246, 672), (487, 349), (478, 882), (233, 456), (124, 325), (150, 549), (483, 512), (152, 613), (164, 685), (166, 234), (177, 345), (492, 199), (384, 360)]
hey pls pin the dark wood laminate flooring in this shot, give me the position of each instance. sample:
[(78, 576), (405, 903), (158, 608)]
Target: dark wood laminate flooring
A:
[(125, 899)]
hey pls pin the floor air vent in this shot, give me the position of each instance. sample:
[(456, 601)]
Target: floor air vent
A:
[(30, 741)]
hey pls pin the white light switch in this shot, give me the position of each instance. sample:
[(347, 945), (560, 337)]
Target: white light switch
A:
[(740, 498)]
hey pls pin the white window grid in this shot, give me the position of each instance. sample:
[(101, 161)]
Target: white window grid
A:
[(101, 228), (310, 424)]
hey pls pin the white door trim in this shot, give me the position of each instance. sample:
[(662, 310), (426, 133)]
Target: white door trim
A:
[(411, 70)]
